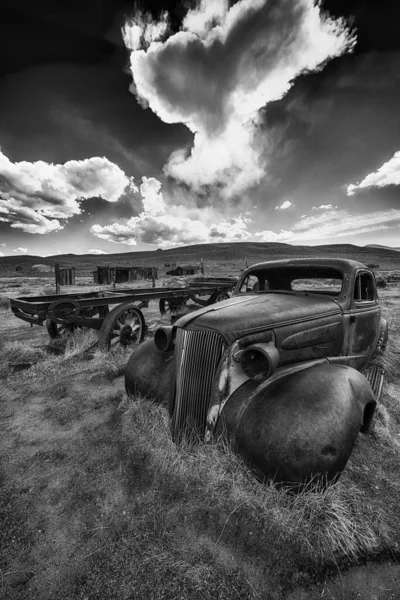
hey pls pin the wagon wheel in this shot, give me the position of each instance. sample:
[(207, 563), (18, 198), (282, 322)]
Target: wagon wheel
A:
[(62, 317), (56, 329), (168, 305), (217, 297), (123, 326)]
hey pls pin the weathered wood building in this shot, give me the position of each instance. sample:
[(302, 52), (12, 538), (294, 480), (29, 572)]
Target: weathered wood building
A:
[(184, 270), (108, 275), (67, 276)]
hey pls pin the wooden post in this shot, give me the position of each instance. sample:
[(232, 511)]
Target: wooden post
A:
[(202, 266), (57, 276), (153, 277), (245, 260)]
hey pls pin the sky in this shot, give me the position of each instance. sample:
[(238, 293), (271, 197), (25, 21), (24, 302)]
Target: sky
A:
[(130, 126)]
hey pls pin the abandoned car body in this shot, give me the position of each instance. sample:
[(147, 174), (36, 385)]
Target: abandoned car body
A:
[(276, 369)]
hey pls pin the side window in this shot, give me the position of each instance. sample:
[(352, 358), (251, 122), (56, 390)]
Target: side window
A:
[(254, 283), (250, 284), (364, 288)]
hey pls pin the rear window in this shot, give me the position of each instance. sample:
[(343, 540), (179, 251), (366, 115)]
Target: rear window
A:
[(320, 284)]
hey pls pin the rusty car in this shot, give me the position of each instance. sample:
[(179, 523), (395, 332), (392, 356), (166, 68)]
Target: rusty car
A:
[(282, 370)]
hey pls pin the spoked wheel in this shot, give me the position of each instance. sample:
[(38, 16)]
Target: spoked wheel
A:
[(217, 297), (62, 317), (57, 327), (57, 330), (169, 305), (123, 326)]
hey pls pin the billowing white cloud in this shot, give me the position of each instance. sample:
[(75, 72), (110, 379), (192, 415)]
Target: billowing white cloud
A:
[(21, 250), (3, 244), (206, 16), (329, 224), (219, 70), (387, 174), (96, 251), (1, 254), (285, 205), (165, 226), (37, 196), (323, 207), (140, 30)]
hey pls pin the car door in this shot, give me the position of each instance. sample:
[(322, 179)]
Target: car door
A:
[(363, 319)]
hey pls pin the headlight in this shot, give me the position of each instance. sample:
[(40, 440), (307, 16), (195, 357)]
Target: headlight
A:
[(164, 338), (259, 361)]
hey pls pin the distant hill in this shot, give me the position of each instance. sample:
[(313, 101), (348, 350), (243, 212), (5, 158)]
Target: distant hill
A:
[(222, 258), (379, 246)]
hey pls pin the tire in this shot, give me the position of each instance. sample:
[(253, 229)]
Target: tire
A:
[(217, 297), (123, 326)]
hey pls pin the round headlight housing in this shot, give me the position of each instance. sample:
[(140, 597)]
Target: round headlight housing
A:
[(259, 361), (164, 338)]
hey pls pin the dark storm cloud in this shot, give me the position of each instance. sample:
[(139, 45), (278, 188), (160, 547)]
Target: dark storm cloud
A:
[(335, 128), (60, 113)]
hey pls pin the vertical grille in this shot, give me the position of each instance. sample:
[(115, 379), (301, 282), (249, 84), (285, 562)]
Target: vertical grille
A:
[(197, 356)]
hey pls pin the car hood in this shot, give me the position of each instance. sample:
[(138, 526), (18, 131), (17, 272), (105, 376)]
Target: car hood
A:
[(252, 313)]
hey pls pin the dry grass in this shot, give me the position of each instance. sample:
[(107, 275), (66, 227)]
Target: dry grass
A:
[(48, 290), (19, 352), (4, 301), (321, 524), (96, 500), (113, 363)]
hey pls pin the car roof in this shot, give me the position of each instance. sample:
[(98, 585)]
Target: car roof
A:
[(342, 264)]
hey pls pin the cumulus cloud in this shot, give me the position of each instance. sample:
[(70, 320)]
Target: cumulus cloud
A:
[(170, 225), (37, 196), (96, 251), (21, 250), (286, 204), (140, 31), (387, 174), (219, 70), (1, 254), (329, 224), (323, 207), (3, 244)]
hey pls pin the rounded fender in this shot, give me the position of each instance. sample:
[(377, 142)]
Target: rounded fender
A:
[(300, 426), (151, 373)]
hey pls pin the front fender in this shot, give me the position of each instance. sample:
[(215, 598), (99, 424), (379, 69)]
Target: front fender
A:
[(151, 373), (300, 426)]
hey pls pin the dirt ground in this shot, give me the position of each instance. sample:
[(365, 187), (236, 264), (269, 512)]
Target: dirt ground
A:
[(68, 489)]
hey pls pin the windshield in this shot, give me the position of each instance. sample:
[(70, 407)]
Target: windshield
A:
[(293, 279)]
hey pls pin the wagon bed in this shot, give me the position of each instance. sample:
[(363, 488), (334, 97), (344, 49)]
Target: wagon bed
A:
[(125, 323)]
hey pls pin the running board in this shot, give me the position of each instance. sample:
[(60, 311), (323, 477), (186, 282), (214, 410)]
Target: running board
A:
[(374, 375)]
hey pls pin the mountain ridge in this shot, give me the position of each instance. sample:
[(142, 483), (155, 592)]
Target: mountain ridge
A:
[(232, 255)]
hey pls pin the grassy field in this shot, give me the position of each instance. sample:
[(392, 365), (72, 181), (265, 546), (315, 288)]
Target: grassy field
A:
[(97, 502)]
